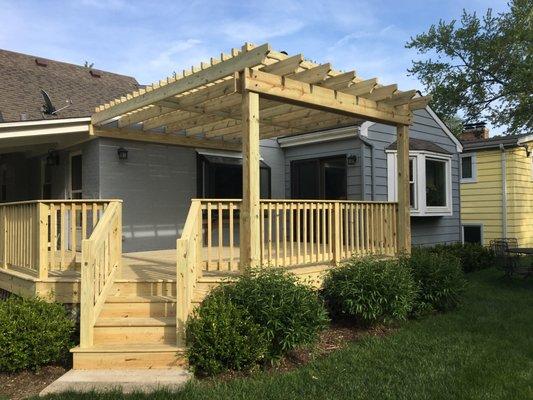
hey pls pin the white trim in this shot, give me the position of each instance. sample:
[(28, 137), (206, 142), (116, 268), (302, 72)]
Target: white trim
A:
[(222, 153), (363, 129), (420, 181), (473, 179), (347, 132), (445, 129), (476, 224), (20, 124)]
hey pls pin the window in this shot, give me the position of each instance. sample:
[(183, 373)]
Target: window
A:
[(468, 168), (319, 178), (221, 177), (430, 182), (473, 234)]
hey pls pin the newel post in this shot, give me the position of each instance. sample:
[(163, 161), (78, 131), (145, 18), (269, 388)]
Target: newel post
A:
[(249, 217), (42, 240), (404, 210)]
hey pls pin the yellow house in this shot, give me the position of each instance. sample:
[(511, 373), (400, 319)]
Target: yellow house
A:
[(496, 187)]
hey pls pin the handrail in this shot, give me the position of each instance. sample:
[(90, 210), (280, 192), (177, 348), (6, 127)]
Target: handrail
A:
[(101, 258), (188, 268)]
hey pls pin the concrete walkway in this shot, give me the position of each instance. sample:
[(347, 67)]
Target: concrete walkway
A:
[(127, 381)]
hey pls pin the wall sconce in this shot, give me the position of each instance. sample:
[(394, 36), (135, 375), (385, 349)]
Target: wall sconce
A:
[(351, 159), (122, 153), (52, 158)]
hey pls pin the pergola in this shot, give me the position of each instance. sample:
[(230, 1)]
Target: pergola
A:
[(217, 105)]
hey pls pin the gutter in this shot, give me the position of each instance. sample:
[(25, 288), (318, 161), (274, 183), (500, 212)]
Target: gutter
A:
[(504, 190)]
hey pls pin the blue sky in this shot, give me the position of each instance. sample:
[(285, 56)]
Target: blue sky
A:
[(151, 39)]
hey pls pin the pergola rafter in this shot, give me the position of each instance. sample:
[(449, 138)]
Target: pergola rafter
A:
[(233, 101)]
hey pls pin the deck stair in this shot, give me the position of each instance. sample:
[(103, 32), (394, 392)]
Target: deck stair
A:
[(136, 329)]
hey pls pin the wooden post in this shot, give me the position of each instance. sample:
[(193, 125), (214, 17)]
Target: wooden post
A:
[(4, 237), (182, 280), (42, 240), (250, 224), (337, 233), (404, 212), (86, 296), (119, 239)]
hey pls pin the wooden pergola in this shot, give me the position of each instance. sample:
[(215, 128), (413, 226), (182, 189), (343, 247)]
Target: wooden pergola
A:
[(217, 105)]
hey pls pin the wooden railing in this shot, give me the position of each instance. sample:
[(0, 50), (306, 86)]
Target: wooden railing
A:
[(189, 256), (298, 232), (101, 256), (44, 235)]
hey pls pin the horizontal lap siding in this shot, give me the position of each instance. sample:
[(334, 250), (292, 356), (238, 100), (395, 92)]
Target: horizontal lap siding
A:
[(481, 201), (520, 196), (426, 231)]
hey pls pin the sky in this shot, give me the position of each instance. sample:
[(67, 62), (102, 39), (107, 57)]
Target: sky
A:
[(151, 39)]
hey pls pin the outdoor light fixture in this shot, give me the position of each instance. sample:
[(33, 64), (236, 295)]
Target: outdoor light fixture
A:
[(52, 158), (122, 153), (351, 159)]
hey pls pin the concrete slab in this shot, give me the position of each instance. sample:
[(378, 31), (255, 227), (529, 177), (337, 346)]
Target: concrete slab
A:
[(127, 381)]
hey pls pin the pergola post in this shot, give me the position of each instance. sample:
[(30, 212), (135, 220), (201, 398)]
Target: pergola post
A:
[(404, 211), (249, 217)]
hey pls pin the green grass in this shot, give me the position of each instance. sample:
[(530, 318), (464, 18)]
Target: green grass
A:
[(484, 350)]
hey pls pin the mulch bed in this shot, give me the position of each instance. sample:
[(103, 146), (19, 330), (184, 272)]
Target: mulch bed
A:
[(20, 385), (335, 337)]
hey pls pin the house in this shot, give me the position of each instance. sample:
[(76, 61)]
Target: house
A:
[(496, 186), (134, 208)]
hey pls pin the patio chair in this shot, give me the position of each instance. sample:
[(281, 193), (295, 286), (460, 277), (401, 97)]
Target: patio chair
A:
[(504, 260)]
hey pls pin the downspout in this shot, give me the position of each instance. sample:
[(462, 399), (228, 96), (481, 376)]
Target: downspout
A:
[(504, 191), (372, 169)]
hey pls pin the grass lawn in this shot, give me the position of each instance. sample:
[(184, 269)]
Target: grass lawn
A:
[(482, 351)]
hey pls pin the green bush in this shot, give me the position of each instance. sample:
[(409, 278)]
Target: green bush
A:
[(290, 313), (33, 333), (222, 336), (370, 291), (473, 257), (439, 278)]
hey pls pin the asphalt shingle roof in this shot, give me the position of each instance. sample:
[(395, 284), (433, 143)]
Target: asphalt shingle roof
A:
[(421, 145), (493, 142), (23, 76)]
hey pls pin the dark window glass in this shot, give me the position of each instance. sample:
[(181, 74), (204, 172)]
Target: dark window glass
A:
[(472, 234), (466, 167), (221, 178), (435, 183), (319, 179)]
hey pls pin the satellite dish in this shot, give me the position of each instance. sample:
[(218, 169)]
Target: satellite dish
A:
[(48, 107)]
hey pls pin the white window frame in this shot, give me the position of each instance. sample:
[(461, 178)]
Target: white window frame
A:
[(473, 224), (422, 209), (473, 179)]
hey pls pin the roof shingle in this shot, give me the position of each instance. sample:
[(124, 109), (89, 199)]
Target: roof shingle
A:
[(23, 76)]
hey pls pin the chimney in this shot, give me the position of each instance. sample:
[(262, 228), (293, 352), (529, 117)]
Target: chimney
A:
[(475, 131)]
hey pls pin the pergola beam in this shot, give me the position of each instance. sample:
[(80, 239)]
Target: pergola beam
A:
[(314, 96), (212, 73)]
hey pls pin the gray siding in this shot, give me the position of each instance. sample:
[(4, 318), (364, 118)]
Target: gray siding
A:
[(156, 184), (272, 155), (425, 230)]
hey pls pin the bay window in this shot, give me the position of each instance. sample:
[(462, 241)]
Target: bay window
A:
[(430, 183)]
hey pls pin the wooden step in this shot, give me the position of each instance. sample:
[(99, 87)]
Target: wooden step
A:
[(123, 287), (128, 331), (139, 307), (141, 356)]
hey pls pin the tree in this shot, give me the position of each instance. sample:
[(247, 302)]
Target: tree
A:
[(482, 69)]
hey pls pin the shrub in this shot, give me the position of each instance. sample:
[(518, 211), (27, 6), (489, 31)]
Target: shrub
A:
[(290, 313), (222, 336), (473, 257), (370, 291), (439, 278), (33, 333)]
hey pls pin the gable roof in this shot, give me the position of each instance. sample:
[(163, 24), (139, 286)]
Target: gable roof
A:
[(23, 76), (421, 145)]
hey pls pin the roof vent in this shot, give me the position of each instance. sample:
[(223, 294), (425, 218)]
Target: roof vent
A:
[(23, 116), (41, 63), (95, 74)]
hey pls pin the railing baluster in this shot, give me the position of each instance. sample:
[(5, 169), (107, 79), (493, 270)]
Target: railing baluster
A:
[(220, 235), (284, 210), (298, 232), (209, 236), (230, 210), (277, 259)]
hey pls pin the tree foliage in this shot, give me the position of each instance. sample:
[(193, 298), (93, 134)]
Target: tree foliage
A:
[(481, 69)]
